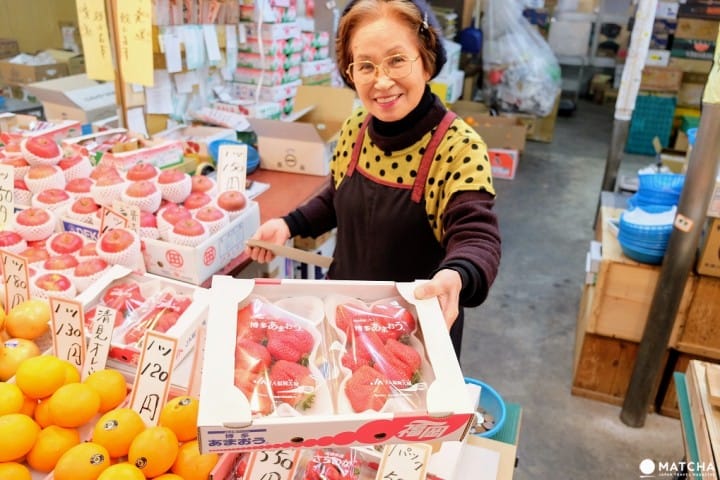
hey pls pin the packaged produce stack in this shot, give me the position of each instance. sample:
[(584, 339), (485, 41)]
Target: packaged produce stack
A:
[(317, 67)]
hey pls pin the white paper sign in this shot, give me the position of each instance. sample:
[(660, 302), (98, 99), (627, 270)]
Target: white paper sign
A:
[(232, 167), (131, 214), (68, 330), (16, 278), (273, 464), (7, 197), (404, 461), (170, 42), (152, 378), (110, 218), (211, 43), (101, 331)]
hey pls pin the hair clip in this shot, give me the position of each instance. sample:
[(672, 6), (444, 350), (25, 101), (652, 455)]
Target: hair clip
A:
[(425, 21)]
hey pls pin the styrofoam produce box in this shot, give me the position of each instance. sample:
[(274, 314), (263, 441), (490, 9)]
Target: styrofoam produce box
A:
[(184, 330), (225, 422)]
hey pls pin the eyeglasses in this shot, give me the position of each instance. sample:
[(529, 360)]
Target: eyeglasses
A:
[(395, 66)]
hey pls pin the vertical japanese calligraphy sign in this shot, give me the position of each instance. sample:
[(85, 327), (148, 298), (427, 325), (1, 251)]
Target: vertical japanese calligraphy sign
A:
[(110, 218), (130, 212), (16, 278), (273, 464), (152, 378), (232, 167), (93, 26), (68, 331), (407, 461), (101, 332), (7, 198), (134, 36)]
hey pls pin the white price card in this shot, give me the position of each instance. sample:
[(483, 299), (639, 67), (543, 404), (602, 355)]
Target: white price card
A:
[(152, 378), (16, 278), (101, 331), (232, 167), (110, 218), (130, 212), (405, 461), (7, 198), (273, 464), (68, 330)]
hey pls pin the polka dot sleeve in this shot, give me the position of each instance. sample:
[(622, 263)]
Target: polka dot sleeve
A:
[(346, 141)]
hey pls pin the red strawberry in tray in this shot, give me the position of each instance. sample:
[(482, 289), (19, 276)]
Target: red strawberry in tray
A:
[(287, 341), (255, 388), (402, 321), (292, 383), (251, 356), (251, 323), (365, 345), (367, 389), (331, 464), (406, 355), (123, 297), (351, 361)]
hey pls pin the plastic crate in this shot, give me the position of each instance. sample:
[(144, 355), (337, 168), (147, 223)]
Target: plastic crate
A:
[(652, 117)]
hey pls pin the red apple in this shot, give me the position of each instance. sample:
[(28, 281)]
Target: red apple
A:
[(209, 213), (60, 262), (84, 206), (89, 267), (123, 296), (42, 146), (141, 189), (36, 172), (116, 240), (148, 220), (8, 238), (88, 250), (102, 170), (232, 200), (171, 176), (15, 161), (141, 171), (53, 282), (79, 185), (52, 196), (189, 227), (35, 254), (66, 243), (32, 217), (196, 200), (20, 184), (202, 183), (108, 179), (69, 162), (173, 213)]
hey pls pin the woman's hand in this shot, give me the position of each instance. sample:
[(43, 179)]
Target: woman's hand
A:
[(275, 231), (446, 285)]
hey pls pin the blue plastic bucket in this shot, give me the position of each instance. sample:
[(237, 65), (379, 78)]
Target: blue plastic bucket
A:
[(691, 134), (491, 402), (253, 158)]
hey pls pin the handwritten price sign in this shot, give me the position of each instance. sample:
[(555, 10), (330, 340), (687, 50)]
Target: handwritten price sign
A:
[(7, 199), (404, 462), (232, 167), (68, 330), (16, 277), (110, 219), (273, 464), (130, 212), (100, 338), (152, 379)]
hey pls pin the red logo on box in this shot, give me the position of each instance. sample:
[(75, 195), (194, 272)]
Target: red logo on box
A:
[(503, 162), (209, 256), (174, 258)]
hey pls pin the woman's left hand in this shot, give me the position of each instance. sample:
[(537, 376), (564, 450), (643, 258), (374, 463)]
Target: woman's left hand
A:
[(446, 285)]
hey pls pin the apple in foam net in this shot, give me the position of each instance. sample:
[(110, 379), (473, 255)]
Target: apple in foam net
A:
[(173, 213), (189, 227), (35, 254), (196, 200), (141, 189), (232, 200), (141, 171), (88, 250), (201, 183), (171, 176), (53, 196), (43, 147), (60, 262), (15, 161), (66, 243), (69, 162), (116, 240), (20, 184), (9, 238), (102, 170), (108, 180), (37, 172), (209, 213), (32, 217), (148, 220), (53, 282), (79, 185), (90, 266), (84, 205)]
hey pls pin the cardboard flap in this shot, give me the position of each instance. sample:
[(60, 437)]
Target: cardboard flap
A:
[(288, 130), (76, 90), (332, 105)]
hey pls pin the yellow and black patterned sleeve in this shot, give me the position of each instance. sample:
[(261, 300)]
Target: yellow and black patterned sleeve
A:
[(346, 142)]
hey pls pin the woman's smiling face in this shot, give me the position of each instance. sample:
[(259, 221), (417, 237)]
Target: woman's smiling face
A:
[(385, 98)]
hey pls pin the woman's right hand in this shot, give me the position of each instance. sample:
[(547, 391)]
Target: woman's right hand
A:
[(275, 231)]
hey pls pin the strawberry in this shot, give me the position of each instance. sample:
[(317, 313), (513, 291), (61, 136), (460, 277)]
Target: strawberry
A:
[(292, 383), (332, 464), (367, 389), (345, 316), (405, 354), (287, 341), (365, 345), (397, 373), (251, 324), (255, 389), (398, 320), (353, 362), (251, 356)]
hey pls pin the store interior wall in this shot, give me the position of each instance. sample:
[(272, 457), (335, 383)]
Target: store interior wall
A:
[(36, 24)]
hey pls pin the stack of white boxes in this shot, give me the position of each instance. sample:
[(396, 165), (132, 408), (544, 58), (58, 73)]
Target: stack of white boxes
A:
[(448, 85)]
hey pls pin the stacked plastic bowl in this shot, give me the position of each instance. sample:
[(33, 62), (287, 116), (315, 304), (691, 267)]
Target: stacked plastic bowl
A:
[(658, 189)]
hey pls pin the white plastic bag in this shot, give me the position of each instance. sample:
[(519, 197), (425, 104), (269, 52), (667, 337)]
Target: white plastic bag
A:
[(521, 71)]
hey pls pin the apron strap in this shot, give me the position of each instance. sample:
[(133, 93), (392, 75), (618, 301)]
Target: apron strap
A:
[(427, 159), (358, 146)]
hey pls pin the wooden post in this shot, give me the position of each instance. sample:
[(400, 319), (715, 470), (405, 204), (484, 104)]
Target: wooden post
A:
[(111, 9)]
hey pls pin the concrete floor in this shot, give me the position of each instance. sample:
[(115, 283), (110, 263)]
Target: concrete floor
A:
[(521, 341)]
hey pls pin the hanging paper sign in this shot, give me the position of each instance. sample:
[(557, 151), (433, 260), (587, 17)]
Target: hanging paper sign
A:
[(16, 277), (133, 24), (152, 379), (93, 26), (101, 331), (273, 464), (68, 330), (110, 218), (232, 167), (404, 461), (7, 197)]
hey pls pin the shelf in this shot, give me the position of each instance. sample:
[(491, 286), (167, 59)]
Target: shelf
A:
[(574, 60), (605, 62)]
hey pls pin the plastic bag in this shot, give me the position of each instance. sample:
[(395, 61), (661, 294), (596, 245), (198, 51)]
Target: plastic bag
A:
[(521, 71)]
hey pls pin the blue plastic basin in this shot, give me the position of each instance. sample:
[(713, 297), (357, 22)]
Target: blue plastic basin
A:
[(493, 403)]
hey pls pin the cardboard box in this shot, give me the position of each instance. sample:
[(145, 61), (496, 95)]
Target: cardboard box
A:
[(75, 98), (504, 162), (661, 79), (448, 88), (19, 74), (538, 129), (306, 144), (709, 261), (690, 65), (8, 47), (695, 49), (225, 423), (497, 132), (714, 206), (696, 29), (184, 330), (690, 94)]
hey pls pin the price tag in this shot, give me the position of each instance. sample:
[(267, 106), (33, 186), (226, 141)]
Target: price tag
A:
[(273, 464), (100, 338), (152, 379), (110, 218), (17, 279), (68, 330), (405, 461), (7, 197), (232, 167), (130, 212)]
